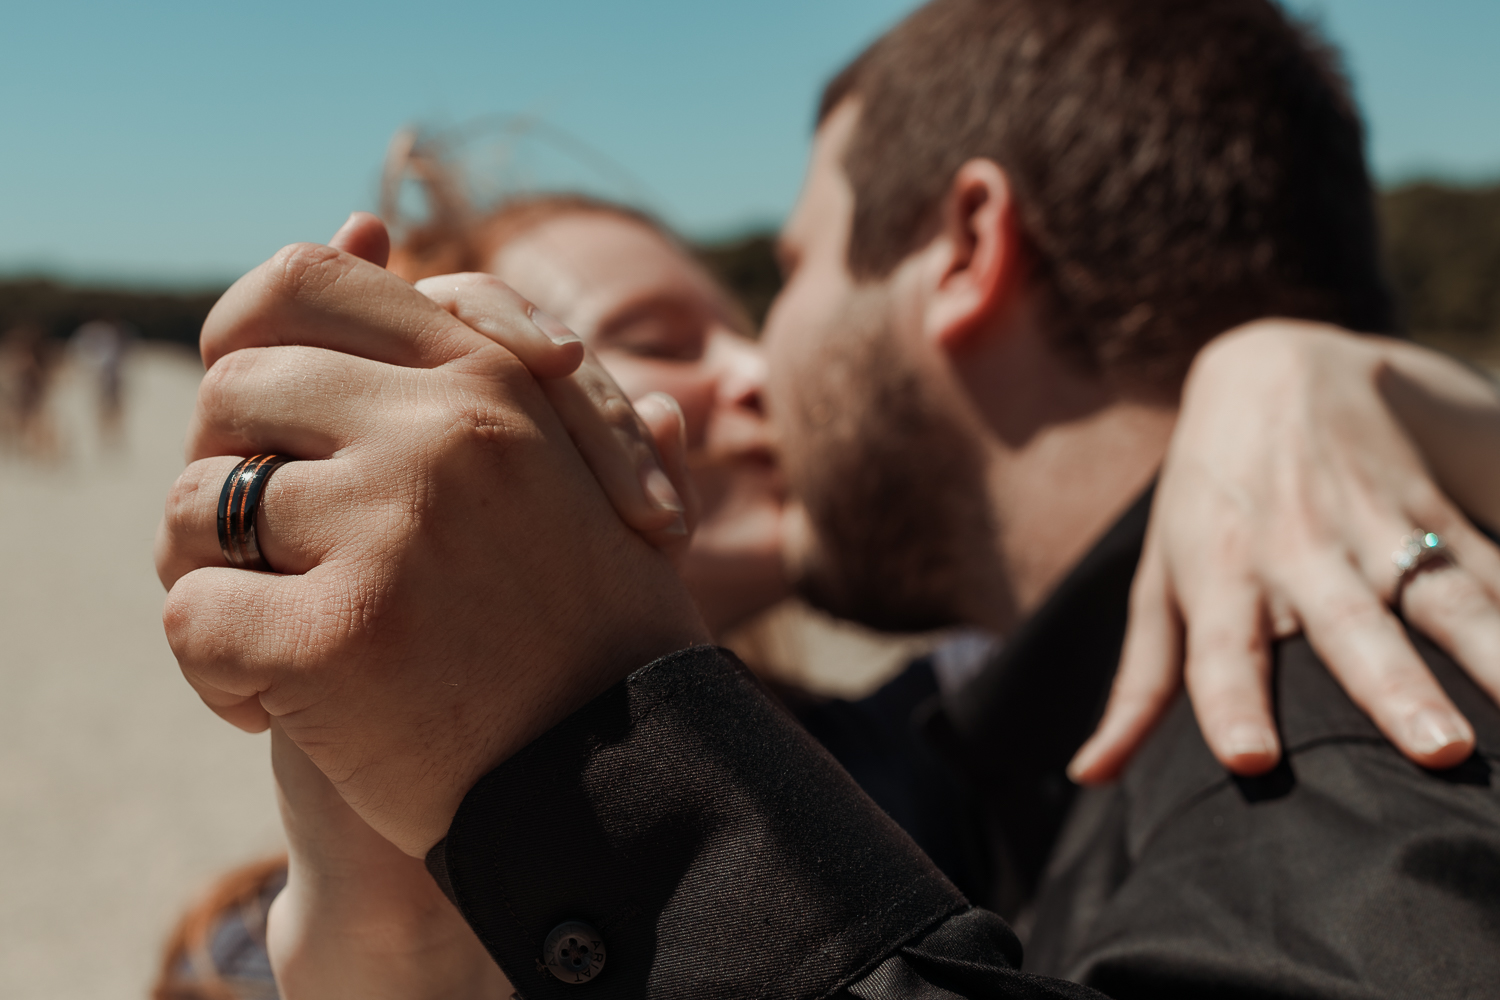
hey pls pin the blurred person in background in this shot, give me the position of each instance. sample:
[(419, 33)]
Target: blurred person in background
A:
[(28, 361), (101, 346)]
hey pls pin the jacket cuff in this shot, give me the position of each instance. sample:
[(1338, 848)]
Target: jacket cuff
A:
[(711, 845)]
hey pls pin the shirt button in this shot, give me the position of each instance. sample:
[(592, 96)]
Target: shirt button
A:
[(573, 952)]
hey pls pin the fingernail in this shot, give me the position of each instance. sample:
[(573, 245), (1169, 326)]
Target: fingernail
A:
[(661, 491), (553, 327), (1250, 741), (1429, 731), (669, 403), (1082, 761), (661, 404)]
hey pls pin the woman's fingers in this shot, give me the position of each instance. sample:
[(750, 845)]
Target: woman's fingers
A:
[(665, 422), (1445, 602), (620, 452), (546, 347), (319, 296), (364, 236), (1367, 651), (329, 845), (1466, 545), (1228, 673), (619, 448), (1149, 676)]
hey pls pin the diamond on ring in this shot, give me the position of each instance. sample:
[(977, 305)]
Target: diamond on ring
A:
[(1417, 549)]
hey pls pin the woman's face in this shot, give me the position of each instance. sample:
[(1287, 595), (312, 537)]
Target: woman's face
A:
[(659, 323)]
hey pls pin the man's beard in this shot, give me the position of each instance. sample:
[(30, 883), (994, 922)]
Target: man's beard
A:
[(892, 485)]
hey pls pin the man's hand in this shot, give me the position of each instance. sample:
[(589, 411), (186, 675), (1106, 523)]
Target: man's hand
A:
[(456, 581), (637, 452), (1296, 468)]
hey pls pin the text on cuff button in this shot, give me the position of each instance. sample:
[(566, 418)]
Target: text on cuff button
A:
[(573, 952)]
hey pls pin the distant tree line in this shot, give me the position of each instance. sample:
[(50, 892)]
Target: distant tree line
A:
[(1442, 248), (1443, 256), (61, 308), (747, 267)]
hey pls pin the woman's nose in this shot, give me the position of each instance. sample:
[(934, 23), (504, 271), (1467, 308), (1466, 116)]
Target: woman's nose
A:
[(742, 378)]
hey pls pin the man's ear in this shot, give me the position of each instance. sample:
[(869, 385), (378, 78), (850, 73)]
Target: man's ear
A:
[(976, 258)]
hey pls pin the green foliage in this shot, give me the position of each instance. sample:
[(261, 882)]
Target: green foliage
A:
[(747, 267), (1443, 254)]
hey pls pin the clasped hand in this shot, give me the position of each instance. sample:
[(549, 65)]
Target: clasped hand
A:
[(454, 578)]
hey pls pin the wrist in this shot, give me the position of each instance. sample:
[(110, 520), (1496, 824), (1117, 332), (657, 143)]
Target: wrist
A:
[(545, 698), (328, 938)]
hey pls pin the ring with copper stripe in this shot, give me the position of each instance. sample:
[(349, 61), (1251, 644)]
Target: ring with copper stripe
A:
[(239, 501)]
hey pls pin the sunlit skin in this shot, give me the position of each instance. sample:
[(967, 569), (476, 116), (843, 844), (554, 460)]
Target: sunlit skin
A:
[(659, 323), (964, 325)]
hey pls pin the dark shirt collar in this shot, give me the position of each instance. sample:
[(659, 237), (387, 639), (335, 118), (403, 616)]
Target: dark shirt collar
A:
[(1019, 722)]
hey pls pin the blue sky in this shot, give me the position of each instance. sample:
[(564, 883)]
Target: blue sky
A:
[(176, 143)]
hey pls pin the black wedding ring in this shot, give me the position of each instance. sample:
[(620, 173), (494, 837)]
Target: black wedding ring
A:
[(239, 501)]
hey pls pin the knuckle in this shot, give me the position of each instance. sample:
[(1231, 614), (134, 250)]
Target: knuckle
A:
[(617, 412), (1267, 344), (456, 289), (478, 281), (217, 390), (1427, 503), (185, 497), (494, 430), (304, 269), (1222, 643), (197, 639), (455, 430), (176, 617)]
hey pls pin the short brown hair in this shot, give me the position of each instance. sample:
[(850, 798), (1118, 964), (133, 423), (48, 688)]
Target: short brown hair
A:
[(1179, 166)]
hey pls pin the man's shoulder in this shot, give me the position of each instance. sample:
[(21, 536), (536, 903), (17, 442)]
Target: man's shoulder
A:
[(1318, 723), (1346, 862)]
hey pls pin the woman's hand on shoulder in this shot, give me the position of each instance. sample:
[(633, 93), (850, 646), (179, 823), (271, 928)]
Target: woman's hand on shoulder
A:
[(1304, 459)]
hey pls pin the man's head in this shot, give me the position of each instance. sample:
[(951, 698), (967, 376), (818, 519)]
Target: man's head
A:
[(1058, 199)]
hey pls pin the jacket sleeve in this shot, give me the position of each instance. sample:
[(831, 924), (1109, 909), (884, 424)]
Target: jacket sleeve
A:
[(696, 843), (1347, 872)]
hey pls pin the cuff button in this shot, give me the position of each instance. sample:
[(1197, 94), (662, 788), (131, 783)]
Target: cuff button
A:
[(573, 952)]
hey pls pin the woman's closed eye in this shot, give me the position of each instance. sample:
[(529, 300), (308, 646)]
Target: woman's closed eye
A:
[(659, 330)]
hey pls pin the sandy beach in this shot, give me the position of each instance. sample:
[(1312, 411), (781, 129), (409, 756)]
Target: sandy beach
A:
[(120, 794)]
